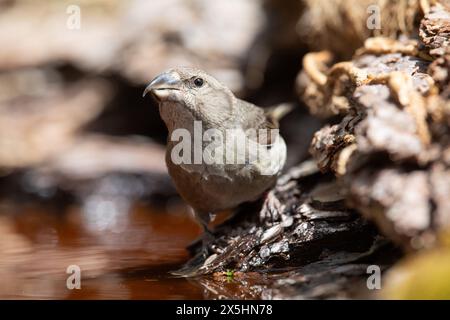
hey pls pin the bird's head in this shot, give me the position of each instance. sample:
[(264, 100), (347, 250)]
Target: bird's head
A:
[(197, 92)]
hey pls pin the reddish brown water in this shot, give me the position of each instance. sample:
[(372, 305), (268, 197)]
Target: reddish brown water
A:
[(121, 257)]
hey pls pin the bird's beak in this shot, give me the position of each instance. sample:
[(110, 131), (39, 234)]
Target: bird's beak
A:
[(163, 84)]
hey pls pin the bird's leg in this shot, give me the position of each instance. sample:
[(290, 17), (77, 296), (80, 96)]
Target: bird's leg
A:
[(207, 235)]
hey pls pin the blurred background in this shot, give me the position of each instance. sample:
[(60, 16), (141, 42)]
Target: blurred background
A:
[(82, 174)]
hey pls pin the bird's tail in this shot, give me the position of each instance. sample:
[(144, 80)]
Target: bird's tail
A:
[(276, 113)]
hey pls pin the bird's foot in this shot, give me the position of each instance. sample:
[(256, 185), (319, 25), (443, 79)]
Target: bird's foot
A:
[(204, 242), (207, 239), (193, 267)]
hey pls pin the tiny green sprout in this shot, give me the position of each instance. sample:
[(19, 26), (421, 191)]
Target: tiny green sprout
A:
[(230, 274)]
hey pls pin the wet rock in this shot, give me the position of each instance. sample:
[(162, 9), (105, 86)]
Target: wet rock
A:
[(336, 275)]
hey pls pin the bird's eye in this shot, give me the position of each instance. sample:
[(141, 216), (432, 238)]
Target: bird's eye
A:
[(198, 82)]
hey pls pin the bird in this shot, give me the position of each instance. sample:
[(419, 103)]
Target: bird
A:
[(189, 97)]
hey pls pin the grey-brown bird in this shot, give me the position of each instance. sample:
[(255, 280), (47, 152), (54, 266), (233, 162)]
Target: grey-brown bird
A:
[(188, 95)]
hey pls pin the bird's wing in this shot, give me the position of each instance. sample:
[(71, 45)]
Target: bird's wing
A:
[(263, 120)]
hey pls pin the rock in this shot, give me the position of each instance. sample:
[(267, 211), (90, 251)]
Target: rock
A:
[(248, 243), (391, 130), (434, 30), (342, 26)]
